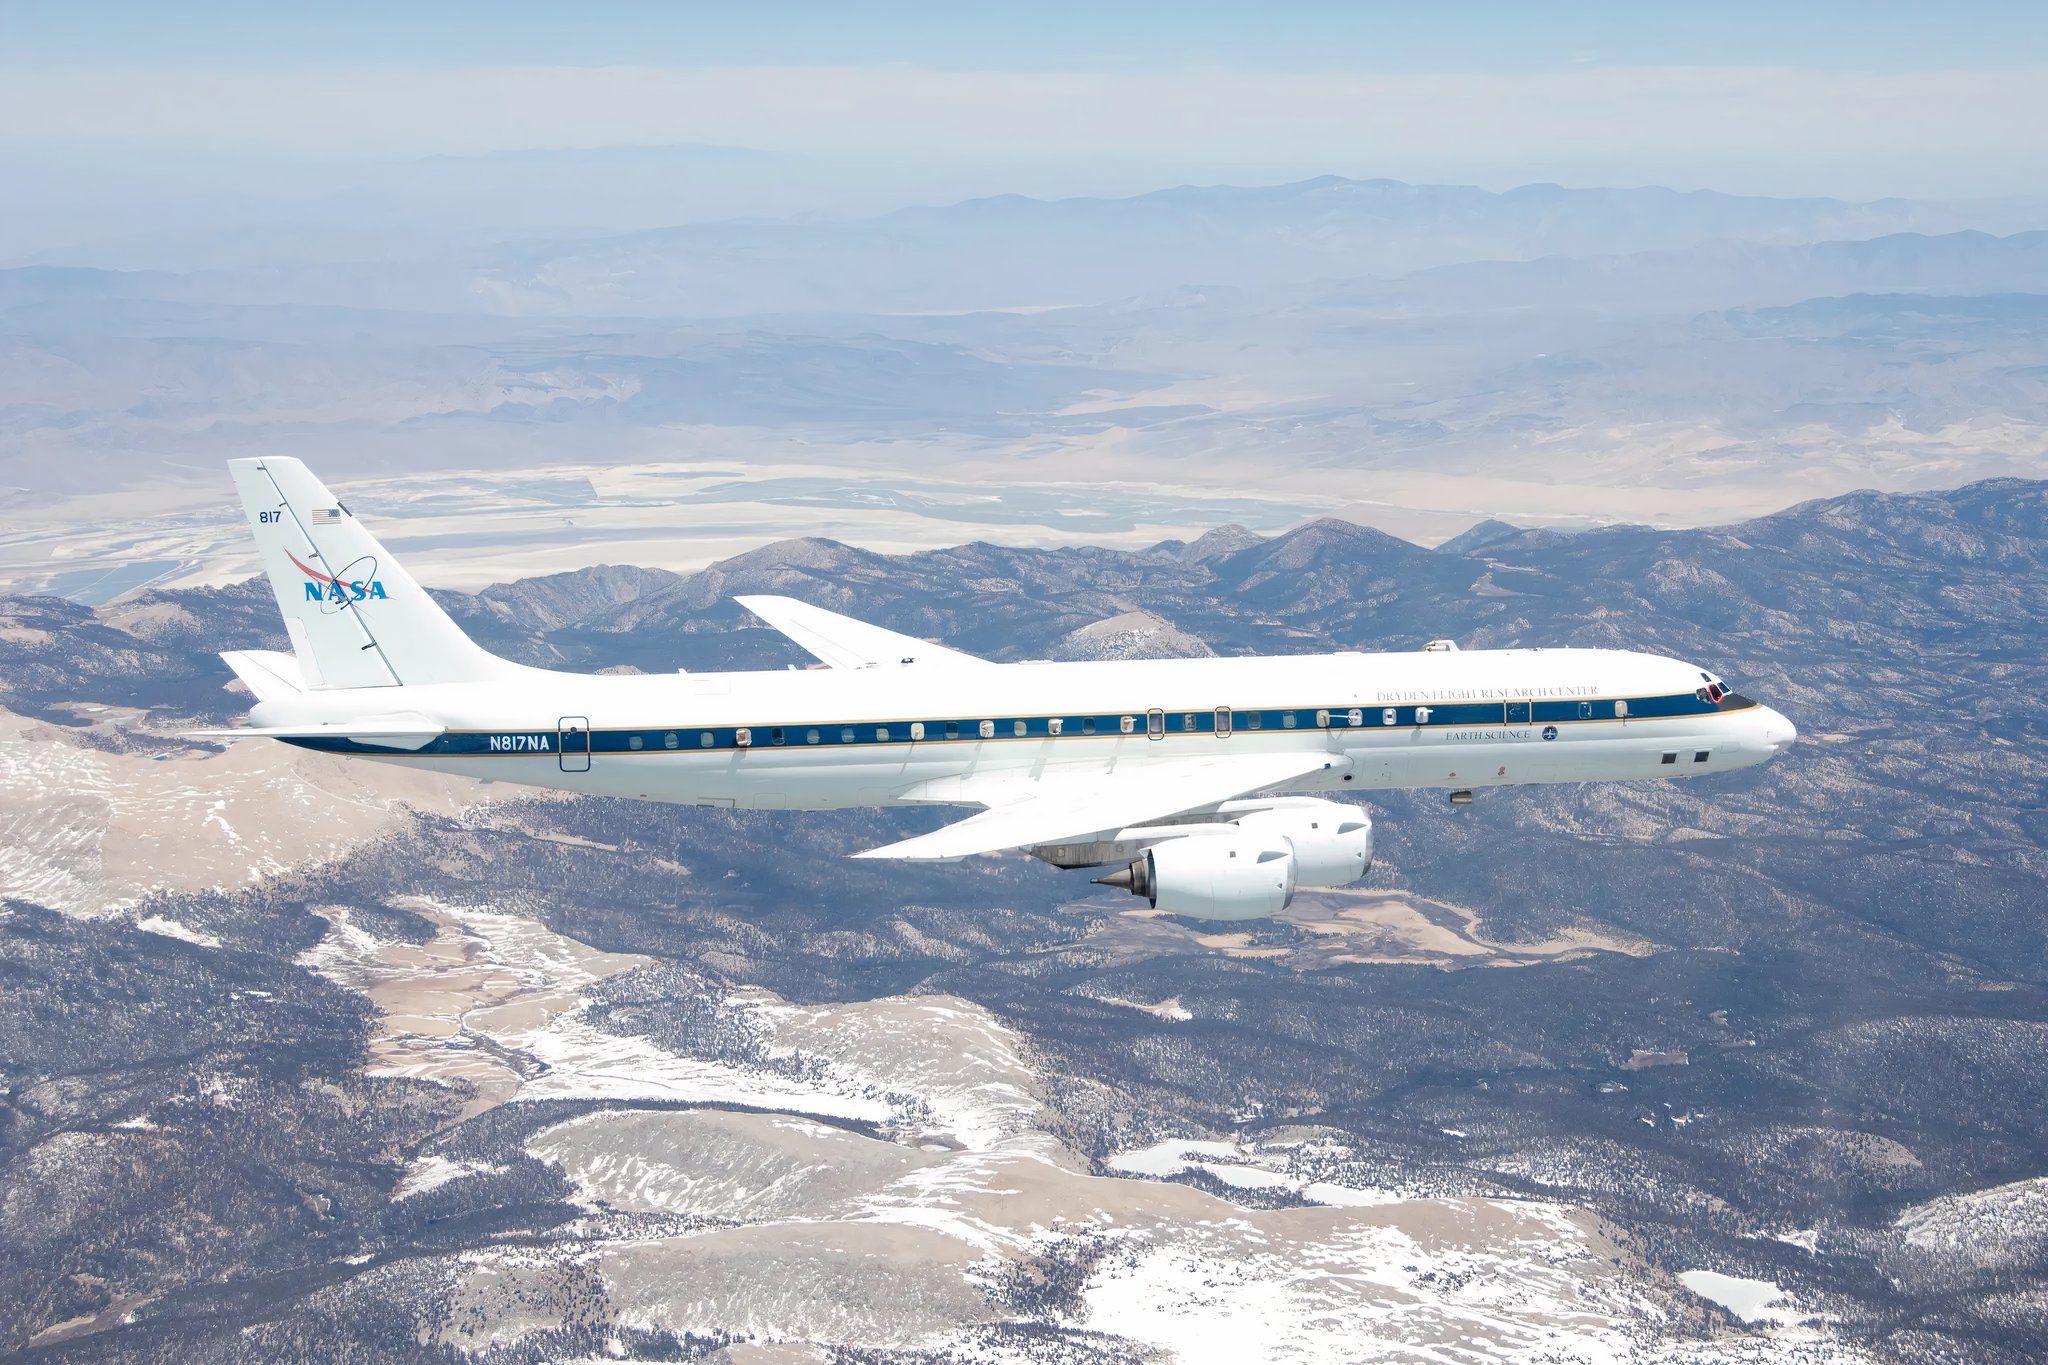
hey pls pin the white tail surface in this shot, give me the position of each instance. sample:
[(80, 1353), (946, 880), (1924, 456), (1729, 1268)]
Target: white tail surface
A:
[(355, 617), (269, 675)]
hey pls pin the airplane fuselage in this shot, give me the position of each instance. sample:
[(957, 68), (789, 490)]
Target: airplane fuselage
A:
[(820, 739)]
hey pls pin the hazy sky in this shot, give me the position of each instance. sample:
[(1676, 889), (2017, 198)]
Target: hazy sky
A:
[(1854, 99)]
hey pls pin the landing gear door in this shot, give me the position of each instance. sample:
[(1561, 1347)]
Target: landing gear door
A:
[(574, 745)]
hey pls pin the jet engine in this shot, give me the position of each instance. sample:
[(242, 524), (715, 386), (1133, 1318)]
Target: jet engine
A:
[(1232, 875), (1332, 841)]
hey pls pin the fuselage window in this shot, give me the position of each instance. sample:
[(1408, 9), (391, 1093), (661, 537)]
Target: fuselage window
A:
[(882, 733), (1287, 720), (952, 729), (668, 741), (917, 729), (810, 736), (634, 742), (1129, 725), (742, 737), (706, 739), (1387, 715), (1620, 709), (846, 735), (1322, 720), (1088, 725), (1020, 728), (1188, 723), (1585, 710), (988, 729), (1700, 755), (1668, 758), (775, 735), (1255, 720), (1355, 716), (1055, 725), (1422, 715)]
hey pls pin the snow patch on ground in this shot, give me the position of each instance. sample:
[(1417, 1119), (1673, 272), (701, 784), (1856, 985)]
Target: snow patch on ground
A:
[(583, 1062), (1357, 1292), (1756, 1302), (170, 928), (433, 1171), (1984, 1227), (958, 1068), (1245, 1168)]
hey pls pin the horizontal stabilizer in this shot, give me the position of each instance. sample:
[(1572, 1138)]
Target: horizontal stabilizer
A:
[(267, 673), (844, 642), (1066, 807), (407, 731)]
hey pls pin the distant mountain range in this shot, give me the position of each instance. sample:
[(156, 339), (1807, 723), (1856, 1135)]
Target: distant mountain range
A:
[(1324, 333), (1015, 251), (1723, 274)]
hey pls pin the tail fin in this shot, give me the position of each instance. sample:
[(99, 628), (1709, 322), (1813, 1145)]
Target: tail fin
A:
[(356, 618)]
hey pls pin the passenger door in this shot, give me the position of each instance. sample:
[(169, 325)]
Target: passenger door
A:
[(573, 744)]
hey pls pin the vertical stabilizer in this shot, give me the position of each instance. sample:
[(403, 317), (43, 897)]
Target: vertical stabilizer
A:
[(355, 617)]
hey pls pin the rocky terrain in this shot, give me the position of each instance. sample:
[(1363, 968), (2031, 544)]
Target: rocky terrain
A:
[(1748, 1067)]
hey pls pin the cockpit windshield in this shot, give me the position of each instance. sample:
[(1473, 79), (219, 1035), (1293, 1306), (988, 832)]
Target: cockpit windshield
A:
[(1713, 690)]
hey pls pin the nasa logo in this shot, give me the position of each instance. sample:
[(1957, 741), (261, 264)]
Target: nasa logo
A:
[(339, 589), (1550, 732)]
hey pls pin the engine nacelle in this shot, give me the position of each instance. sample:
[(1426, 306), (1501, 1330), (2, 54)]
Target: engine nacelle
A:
[(1332, 841), (1233, 876)]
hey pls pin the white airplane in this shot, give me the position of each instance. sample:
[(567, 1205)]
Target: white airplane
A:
[(1171, 768)]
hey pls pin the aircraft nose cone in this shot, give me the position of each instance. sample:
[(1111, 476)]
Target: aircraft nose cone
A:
[(1779, 732)]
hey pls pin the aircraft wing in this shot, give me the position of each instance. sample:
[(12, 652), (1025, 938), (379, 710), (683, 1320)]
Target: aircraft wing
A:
[(844, 642), (1068, 807)]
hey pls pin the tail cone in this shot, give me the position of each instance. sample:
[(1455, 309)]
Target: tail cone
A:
[(1136, 879)]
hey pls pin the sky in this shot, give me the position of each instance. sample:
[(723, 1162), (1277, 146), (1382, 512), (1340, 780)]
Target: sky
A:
[(1858, 100)]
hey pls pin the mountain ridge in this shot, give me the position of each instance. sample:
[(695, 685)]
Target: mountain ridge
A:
[(1845, 946)]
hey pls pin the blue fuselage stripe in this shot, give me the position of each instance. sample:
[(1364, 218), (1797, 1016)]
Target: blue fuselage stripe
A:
[(550, 739)]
